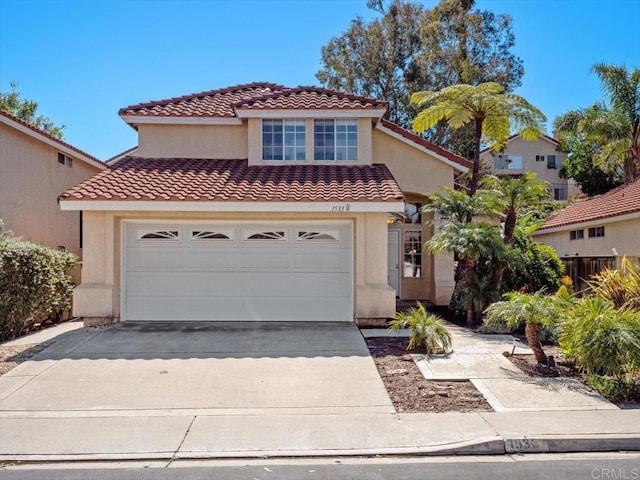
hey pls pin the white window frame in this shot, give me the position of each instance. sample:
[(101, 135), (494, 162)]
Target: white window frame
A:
[(301, 238), (290, 140), (141, 232), (343, 142), (228, 232), (66, 160), (247, 233)]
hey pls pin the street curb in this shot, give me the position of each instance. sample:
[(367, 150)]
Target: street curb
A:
[(492, 446)]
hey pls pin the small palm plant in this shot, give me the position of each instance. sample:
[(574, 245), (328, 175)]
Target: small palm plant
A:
[(534, 310), (427, 330)]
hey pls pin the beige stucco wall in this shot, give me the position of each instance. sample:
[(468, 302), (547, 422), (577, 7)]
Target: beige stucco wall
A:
[(99, 294), (30, 181), (418, 174), (193, 141), (528, 151), (622, 235)]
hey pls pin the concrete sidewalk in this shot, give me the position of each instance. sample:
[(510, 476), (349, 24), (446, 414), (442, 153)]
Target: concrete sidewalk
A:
[(101, 433), (176, 435)]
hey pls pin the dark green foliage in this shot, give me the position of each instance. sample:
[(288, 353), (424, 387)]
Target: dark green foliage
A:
[(13, 103), (537, 267), (616, 389), (34, 282), (427, 330), (409, 48)]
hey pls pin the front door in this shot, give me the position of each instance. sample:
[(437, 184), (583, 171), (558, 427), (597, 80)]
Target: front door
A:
[(393, 260)]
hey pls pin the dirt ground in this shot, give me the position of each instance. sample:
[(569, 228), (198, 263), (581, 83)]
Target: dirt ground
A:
[(12, 356), (410, 392)]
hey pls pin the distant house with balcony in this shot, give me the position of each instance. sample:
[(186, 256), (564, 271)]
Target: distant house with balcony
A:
[(542, 156)]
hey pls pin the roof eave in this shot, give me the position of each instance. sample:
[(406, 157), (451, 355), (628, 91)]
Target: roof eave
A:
[(376, 113)]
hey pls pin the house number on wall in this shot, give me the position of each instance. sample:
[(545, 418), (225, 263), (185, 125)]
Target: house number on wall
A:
[(340, 208)]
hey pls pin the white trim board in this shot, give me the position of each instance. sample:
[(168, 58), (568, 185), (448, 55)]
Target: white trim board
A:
[(397, 136), (171, 206)]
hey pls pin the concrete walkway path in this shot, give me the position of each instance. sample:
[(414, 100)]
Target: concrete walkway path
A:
[(479, 358)]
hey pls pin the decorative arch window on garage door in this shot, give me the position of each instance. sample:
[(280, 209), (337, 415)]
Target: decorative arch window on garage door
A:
[(317, 235), (257, 234), (211, 235), (150, 234)]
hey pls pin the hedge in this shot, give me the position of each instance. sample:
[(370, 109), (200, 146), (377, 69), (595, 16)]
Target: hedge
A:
[(35, 283)]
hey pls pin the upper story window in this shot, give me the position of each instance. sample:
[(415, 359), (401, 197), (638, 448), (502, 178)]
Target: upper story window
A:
[(551, 162), (412, 212), (335, 139), (283, 139), (576, 234), (507, 162), (539, 158), (596, 232), (65, 160)]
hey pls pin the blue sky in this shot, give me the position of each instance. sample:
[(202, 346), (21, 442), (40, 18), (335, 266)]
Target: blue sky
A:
[(83, 60)]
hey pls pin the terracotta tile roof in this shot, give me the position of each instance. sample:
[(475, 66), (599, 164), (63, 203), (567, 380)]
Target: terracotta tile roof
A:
[(417, 139), (48, 136), (619, 201), (213, 103), (310, 98), (185, 179)]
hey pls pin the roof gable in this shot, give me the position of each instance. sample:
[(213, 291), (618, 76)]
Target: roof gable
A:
[(416, 141), (34, 132), (620, 201), (545, 138)]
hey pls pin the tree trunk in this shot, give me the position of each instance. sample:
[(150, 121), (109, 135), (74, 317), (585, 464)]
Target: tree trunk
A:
[(475, 177), (509, 226), (533, 339)]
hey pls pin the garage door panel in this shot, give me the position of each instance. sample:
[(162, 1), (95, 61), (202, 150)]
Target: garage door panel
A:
[(233, 309), (237, 278)]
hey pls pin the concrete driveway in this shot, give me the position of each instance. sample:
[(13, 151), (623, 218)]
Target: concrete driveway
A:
[(216, 368)]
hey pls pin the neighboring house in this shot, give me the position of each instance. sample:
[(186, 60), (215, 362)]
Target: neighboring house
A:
[(596, 232), (261, 202), (542, 156), (34, 168)]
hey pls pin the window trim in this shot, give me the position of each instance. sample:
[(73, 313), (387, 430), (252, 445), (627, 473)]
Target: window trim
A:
[(247, 233), (64, 159), (285, 122), (229, 233), (302, 238), (417, 268), (348, 147), (141, 233), (596, 232), (576, 234)]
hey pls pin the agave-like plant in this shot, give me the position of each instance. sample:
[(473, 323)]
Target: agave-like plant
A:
[(620, 287), (603, 339), (427, 330)]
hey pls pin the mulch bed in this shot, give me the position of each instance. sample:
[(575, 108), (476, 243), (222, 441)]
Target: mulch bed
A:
[(410, 392)]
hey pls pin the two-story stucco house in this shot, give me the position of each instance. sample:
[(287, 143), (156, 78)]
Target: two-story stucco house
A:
[(261, 202), (542, 156), (34, 168)]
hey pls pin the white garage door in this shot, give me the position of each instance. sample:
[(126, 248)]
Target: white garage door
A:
[(223, 271)]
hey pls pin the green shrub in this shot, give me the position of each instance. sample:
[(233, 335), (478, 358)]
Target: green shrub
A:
[(34, 283), (620, 287), (602, 339), (616, 389), (426, 329)]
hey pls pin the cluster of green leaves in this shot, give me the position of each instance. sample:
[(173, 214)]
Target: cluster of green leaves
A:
[(603, 140), (34, 282), (427, 330), (13, 103), (491, 238), (409, 48), (600, 330)]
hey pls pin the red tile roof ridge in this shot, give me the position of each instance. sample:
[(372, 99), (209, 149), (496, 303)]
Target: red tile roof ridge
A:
[(207, 93), (246, 103), (622, 200), (6, 114), (414, 137)]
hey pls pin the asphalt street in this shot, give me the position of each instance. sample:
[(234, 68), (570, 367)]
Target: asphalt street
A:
[(619, 466)]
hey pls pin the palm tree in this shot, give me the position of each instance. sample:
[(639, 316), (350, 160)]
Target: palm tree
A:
[(615, 125), (427, 330), (533, 310), (493, 112), (515, 194)]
